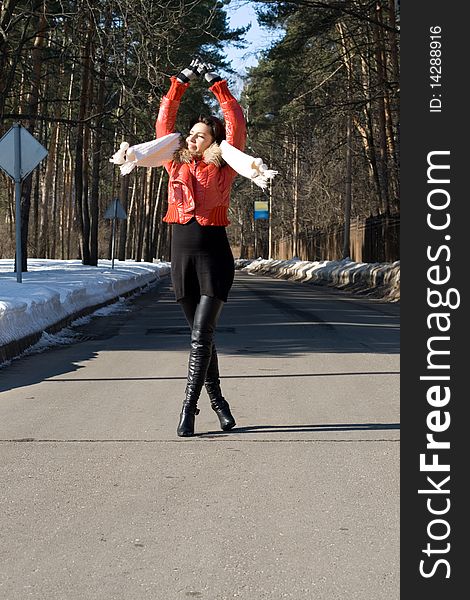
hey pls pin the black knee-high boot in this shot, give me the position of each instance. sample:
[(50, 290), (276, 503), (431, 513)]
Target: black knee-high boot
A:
[(212, 382), (218, 403), (205, 321), (198, 360)]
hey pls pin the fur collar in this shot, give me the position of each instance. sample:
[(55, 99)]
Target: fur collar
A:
[(211, 156)]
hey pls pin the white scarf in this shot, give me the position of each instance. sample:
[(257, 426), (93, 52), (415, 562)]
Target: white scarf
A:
[(155, 152)]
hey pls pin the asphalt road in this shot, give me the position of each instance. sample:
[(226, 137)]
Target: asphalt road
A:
[(100, 499)]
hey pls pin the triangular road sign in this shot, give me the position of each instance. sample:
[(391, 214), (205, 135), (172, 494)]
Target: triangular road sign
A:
[(31, 152), (115, 210)]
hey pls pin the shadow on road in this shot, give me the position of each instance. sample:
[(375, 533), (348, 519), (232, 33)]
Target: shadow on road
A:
[(266, 317), (251, 376), (299, 428)]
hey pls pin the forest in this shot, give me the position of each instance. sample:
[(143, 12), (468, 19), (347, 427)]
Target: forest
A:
[(322, 108)]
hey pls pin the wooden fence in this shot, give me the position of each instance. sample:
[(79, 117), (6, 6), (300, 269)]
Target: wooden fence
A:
[(374, 239)]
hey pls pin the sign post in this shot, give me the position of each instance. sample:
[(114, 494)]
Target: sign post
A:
[(17, 178), (270, 229), (261, 213), (20, 153), (114, 211)]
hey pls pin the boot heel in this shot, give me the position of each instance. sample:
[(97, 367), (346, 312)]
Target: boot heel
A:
[(222, 409), (186, 424)]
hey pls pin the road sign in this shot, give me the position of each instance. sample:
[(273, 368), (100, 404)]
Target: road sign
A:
[(31, 153), (261, 210), (115, 210), (20, 153)]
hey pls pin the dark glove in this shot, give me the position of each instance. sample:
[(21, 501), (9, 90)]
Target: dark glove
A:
[(207, 70), (189, 73)]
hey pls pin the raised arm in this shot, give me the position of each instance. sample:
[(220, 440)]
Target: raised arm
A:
[(171, 101), (169, 107), (235, 125)]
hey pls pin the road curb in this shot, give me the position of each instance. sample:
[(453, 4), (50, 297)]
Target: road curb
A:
[(16, 347)]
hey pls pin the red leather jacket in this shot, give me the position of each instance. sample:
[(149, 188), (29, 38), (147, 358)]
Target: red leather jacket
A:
[(200, 188)]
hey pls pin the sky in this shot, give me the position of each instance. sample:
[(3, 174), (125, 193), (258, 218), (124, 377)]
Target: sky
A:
[(240, 13)]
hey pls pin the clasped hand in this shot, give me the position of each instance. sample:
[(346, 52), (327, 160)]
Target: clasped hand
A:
[(197, 68)]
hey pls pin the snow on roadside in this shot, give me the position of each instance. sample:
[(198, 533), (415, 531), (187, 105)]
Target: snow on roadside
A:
[(375, 279), (68, 335), (53, 290)]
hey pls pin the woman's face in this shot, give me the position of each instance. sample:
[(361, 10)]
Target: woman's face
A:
[(199, 138)]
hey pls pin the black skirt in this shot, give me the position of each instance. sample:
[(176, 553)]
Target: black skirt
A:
[(201, 261)]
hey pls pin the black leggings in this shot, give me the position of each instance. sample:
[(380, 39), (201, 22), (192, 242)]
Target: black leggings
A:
[(202, 316)]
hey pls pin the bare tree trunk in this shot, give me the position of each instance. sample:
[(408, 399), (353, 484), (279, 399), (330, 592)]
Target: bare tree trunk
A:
[(130, 250), (31, 108), (81, 201), (7, 71), (367, 134), (147, 216), (35, 226), (43, 237), (69, 207), (162, 251), (295, 193), (394, 138), (57, 207), (124, 223), (69, 179), (157, 212), (393, 42), (380, 60), (140, 216), (348, 59), (86, 177), (348, 190), (95, 178), (97, 145)]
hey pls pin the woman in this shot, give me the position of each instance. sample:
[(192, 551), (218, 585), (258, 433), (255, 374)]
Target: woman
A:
[(202, 266)]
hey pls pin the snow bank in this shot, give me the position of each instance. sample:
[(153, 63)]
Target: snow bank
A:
[(376, 279), (52, 291)]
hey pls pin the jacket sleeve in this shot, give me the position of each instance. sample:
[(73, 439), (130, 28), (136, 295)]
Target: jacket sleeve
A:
[(169, 108), (235, 126)]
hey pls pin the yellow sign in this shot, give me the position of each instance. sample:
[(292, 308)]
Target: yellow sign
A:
[(261, 210)]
